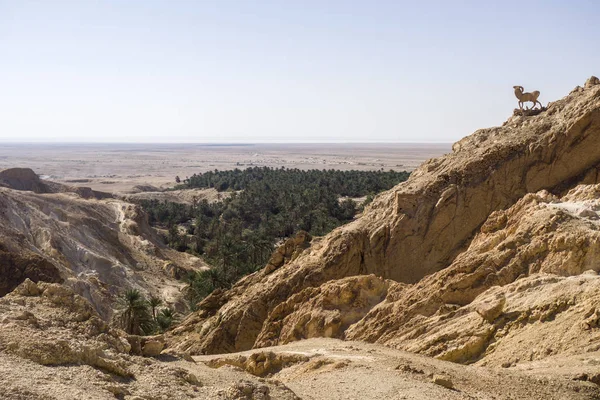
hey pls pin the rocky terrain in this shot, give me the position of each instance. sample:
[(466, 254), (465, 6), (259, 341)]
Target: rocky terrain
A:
[(478, 278), (53, 345), (487, 255), (93, 243)]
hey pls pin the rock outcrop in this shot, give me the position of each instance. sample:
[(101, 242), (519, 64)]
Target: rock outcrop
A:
[(53, 345), (17, 267), (27, 179), (51, 325), (427, 225), (98, 248), (260, 363), (288, 251), (23, 179), (324, 311), (530, 270)]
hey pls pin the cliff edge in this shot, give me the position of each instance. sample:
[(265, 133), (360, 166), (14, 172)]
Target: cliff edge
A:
[(420, 236)]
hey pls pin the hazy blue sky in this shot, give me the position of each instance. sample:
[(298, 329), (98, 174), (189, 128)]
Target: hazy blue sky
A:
[(283, 71)]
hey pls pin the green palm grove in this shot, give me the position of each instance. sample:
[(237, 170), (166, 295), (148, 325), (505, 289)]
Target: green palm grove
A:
[(237, 234), (138, 316)]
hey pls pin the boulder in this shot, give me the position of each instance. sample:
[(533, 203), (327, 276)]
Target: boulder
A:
[(443, 381), (492, 308), (592, 81), (152, 348), (28, 288)]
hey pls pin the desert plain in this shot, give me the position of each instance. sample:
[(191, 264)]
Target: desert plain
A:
[(130, 168)]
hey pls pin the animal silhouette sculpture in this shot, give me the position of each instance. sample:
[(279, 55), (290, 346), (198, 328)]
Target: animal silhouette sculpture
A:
[(525, 97)]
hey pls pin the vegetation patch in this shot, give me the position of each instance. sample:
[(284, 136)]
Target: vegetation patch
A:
[(237, 235)]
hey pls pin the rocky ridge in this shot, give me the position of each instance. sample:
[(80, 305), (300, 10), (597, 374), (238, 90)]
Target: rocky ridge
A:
[(27, 179), (450, 263), (53, 345), (97, 246), (527, 284)]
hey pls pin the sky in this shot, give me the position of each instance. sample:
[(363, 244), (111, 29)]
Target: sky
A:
[(282, 71)]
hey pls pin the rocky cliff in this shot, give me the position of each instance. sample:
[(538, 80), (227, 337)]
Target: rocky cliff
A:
[(27, 179), (97, 246), (54, 346), (525, 289), (475, 249)]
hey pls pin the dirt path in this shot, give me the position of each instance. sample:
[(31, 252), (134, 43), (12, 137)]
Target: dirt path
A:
[(354, 370)]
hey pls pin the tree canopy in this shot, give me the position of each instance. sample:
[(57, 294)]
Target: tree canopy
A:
[(237, 234)]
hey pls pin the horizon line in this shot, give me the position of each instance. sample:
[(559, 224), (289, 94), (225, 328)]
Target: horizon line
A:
[(214, 143)]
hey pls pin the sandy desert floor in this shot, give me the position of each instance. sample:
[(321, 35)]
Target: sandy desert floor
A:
[(330, 369), (122, 167), (355, 370)]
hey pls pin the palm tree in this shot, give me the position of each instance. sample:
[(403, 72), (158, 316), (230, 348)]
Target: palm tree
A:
[(201, 283), (154, 302), (166, 317), (133, 314)]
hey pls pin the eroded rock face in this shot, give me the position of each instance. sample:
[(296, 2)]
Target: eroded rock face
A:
[(23, 179), (422, 225), (544, 315), (99, 248), (324, 311), (260, 363), (30, 313), (54, 345), (288, 251), (456, 314), (26, 179), (16, 267)]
